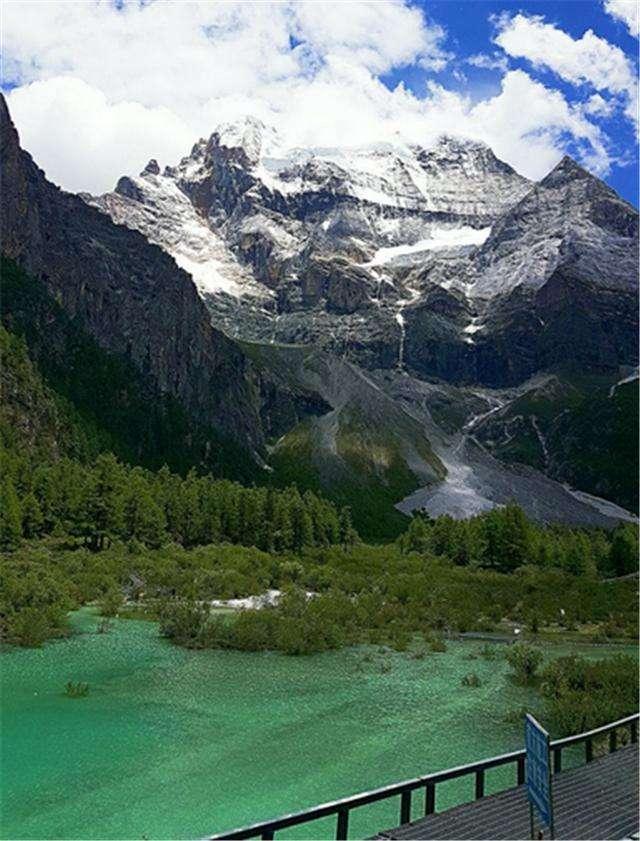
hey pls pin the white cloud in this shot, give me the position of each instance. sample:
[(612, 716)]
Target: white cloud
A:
[(598, 107), (588, 60), (627, 11), (489, 62), (528, 122), (83, 142), (102, 90)]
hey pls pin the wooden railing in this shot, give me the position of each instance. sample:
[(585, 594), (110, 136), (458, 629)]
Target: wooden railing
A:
[(405, 790)]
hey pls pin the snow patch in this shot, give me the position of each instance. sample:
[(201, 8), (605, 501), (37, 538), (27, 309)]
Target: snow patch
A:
[(633, 376), (439, 238)]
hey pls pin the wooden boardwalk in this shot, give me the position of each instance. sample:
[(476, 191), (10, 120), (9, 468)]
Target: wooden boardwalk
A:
[(598, 800)]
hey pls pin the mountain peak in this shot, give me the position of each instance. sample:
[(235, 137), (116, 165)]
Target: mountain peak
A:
[(457, 153), (247, 133), (566, 170), (457, 143)]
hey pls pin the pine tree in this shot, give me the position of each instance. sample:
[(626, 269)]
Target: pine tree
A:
[(623, 556), (282, 529), (32, 519), (103, 508), (144, 518), (10, 515), (348, 535), (417, 536)]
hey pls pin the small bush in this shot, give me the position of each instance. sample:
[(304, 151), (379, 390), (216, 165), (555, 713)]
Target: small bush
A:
[(76, 690), (471, 680), (111, 602), (525, 661), (488, 652), (104, 626), (437, 644)]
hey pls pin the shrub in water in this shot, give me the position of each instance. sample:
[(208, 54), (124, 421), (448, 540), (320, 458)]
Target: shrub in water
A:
[(581, 694), (76, 690), (437, 644), (524, 661)]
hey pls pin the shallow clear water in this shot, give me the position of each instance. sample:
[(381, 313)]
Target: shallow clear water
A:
[(177, 744)]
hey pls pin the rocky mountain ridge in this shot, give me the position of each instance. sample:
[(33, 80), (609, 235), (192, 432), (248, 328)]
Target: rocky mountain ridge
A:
[(440, 261), (388, 301)]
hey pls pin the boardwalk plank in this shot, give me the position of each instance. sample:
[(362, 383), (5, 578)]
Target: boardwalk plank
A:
[(595, 801)]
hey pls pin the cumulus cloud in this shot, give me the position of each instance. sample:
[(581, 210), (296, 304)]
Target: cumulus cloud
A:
[(589, 60), (598, 107), (496, 61), (627, 11), (102, 88), (83, 141)]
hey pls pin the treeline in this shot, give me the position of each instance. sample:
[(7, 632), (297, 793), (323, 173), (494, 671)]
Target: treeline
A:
[(108, 501), (504, 539)]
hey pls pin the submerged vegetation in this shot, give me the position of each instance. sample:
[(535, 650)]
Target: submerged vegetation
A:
[(76, 690)]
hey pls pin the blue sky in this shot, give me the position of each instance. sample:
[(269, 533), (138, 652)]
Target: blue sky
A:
[(470, 32), (98, 87)]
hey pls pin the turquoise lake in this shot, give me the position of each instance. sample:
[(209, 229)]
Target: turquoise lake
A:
[(172, 743)]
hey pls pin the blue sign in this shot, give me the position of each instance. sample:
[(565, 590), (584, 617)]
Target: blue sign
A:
[(538, 769)]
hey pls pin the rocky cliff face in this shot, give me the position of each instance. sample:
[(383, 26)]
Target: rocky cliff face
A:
[(128, 294)]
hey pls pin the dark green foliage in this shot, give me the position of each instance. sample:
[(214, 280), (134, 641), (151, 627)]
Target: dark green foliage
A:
[(503, 539), (581, 695), (623, 555), (34, 602), (87, 400), (76, 690), (525, 660), (108, 501), (472, 680), (10, 515)]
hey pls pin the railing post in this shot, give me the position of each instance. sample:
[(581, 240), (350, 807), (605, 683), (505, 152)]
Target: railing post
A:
[(479, 783), (520, 771), (342, 828), (405, 807), (430, 799), (634, 730), (588, 750), (613, 741), (557, 760)]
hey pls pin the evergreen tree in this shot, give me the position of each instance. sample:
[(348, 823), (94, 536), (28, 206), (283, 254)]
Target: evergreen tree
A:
[(32, 519), (515, 538), (10, 515), (282, 529), (417, 537), (144, 518), (623, 556), (348, 535), (103, 509)]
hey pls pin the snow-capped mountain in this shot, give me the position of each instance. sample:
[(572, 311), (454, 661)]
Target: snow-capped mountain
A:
[(447, 281), (269, 232), (394, 255)]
